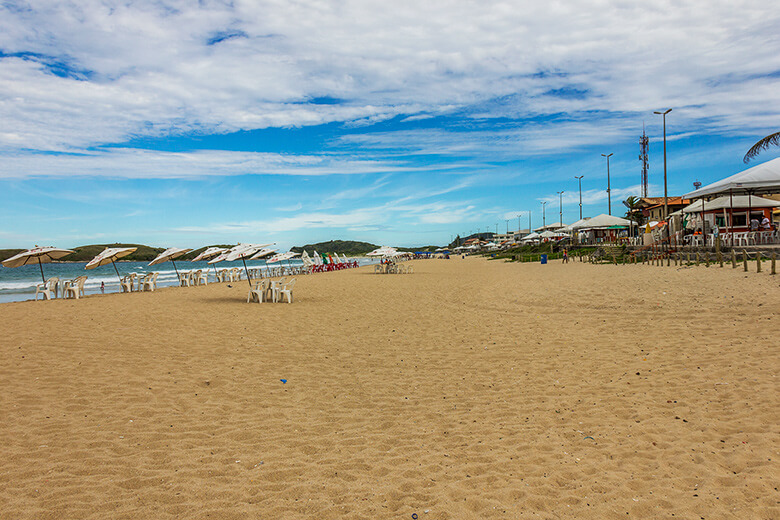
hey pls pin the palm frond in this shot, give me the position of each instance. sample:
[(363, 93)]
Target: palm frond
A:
[(763, 144)]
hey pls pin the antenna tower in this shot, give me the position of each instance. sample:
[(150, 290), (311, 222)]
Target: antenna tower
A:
[(644, 145)]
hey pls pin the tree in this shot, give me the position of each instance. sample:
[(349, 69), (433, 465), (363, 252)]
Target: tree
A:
[(634, 210), (763, 144)]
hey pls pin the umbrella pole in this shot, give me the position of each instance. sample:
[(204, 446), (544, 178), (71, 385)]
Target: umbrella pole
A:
[(117, 271), (249, 280), (174, 268), (41, 266)]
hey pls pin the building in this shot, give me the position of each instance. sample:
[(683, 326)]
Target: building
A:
[(653, 207)]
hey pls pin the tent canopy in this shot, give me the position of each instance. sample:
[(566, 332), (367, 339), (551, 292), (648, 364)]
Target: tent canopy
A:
[(740, 201), (602, 221), (763, 178)]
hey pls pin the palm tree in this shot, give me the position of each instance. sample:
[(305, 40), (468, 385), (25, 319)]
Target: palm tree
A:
[(634, 211), (763, 144)]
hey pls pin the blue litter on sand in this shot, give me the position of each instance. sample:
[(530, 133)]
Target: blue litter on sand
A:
[(283, 381), (589, 437)]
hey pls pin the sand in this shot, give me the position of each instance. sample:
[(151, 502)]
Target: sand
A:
[(469, 389)]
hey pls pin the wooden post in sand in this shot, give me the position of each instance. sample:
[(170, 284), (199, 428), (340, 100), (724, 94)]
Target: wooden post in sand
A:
[(668, 260), (733, 259), (688, 257), (720, 257), (707, 258), (744, 259), (774, 259), (697, 258), (758, 261)]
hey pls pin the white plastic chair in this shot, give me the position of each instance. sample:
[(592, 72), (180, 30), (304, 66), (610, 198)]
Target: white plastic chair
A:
[(127, 282), (200, 277), (285, 290), (47, 288), (149, 282), (74, 288), (258, 294)]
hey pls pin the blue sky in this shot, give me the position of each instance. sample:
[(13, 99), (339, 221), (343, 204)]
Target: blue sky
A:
[(175, 123)]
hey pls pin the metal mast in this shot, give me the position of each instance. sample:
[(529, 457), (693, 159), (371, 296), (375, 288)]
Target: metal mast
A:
[(644, 146)]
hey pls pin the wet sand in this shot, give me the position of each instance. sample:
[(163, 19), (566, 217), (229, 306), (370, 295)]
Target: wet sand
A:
[(469, 389)]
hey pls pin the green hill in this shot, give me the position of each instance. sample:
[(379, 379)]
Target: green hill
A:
[(345, 247)]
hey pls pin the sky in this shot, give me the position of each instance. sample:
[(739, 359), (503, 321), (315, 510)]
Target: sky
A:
[(183, 123)]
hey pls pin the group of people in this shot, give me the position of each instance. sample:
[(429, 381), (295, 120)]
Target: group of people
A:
[(764, 225)]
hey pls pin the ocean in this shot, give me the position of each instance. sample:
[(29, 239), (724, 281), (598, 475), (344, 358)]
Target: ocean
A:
[(18, 284)]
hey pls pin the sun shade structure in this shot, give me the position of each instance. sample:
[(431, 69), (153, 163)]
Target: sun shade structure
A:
[(37, 255), (383, 251), (209, 253), (171, 254), (242, 252), (737, 201), (763, 178), (108, 256), (602, 221)]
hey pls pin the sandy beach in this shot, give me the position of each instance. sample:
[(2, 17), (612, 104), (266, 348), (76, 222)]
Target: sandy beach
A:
[(469, 389)]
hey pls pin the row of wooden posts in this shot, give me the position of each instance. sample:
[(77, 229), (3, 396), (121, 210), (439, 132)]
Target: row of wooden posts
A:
[(657, 258)]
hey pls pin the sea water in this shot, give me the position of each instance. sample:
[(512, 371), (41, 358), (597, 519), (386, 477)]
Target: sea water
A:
[(18, 284)]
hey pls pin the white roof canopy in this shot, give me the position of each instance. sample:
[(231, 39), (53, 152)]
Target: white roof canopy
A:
[(764, 178), (739, 202), (601, 221)]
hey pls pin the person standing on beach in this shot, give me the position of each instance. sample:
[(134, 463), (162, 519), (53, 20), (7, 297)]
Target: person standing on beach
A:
[(565, 256), (103, 287)]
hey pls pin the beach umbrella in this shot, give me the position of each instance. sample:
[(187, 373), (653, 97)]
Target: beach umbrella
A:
[(210, 252), (262, 254), (37, 255), (172, 253), (108, 256), (242, 251)]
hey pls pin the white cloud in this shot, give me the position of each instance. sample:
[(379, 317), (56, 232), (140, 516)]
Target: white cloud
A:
[(86, 73)]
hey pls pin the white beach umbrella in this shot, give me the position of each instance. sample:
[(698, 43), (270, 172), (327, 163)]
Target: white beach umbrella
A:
[(241, 251), (108, 255), (209, 253), (36, 255), (172, 253)]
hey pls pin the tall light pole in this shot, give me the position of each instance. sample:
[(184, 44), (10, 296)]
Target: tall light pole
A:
[(579, 180), (560, 207), (666, 194), (507, 226), (544, 216), (609, 191)]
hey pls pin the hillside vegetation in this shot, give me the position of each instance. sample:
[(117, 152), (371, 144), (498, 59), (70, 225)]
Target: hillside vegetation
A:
[(346, 247)]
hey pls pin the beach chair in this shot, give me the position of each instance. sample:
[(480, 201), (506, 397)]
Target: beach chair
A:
[(149, 283), (74, 288), (284, 290), (258, 294), (126, 282), (185, 278), (200, 277), (47, 288)]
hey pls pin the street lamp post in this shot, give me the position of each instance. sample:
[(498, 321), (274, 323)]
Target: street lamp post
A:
[(560, 207), (666, 194), (609, 191), (544, 216), (579, 180)]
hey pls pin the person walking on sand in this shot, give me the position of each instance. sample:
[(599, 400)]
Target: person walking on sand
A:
[(565, 256), (103, 287)]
